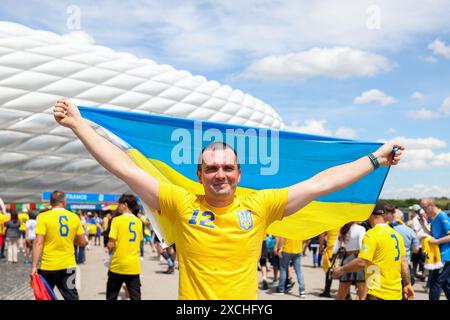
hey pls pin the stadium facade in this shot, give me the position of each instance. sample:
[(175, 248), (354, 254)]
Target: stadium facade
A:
[(39, 67)]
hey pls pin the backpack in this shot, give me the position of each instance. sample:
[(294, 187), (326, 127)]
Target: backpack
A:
[(270, 243)]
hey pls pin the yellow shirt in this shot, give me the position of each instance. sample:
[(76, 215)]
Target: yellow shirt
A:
[(23, 218), (332, 236), (383, 248), (432, 254), (3, 219), (126, 230), (105, 223), (218, 248), (59, 228), (292, 246)]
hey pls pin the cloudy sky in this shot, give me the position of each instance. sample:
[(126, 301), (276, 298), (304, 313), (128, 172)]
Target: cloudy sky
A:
[(365, 70)]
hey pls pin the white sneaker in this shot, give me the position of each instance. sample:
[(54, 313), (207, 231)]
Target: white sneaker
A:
[(141, 258), (303, 294)]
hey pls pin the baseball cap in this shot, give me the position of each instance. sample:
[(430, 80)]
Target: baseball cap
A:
[(415, 207)]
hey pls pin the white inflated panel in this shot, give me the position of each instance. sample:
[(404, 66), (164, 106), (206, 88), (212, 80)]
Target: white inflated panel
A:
[(39, 67)]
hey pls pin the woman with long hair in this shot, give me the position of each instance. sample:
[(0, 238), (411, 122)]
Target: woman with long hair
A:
[(350, 238)]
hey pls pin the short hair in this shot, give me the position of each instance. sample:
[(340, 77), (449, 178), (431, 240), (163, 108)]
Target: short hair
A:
[(429, 201), (213, 146), (57, 197), (399, 215), (383, 207), (131, 201)]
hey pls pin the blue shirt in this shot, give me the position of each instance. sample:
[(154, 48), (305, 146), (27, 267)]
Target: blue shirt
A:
[(440, 227), (409, 238)]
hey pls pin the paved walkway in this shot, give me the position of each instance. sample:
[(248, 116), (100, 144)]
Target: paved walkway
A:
[(156, 285)]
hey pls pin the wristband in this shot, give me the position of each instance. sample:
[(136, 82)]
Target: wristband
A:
[(374, 161)]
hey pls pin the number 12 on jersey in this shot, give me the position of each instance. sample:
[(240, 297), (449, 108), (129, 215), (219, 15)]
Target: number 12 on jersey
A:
[(207, 221)]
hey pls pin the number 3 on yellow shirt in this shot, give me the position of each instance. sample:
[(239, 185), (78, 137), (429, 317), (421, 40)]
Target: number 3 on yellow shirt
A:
[(396, 246)]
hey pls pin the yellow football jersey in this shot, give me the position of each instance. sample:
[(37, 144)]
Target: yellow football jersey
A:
[(292, 246), (3, 218), (218, 248), (126, 230), (105, 223), (92, 228), (23, 218), (383, 248), (332, 236), (59, 228)]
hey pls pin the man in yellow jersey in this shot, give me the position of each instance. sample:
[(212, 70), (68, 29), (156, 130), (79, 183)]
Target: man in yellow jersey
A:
[(219, 234), (124, 242), (290, 250), (326, 245), (383, 257), (57, 231), (3, 220), (23, 218)]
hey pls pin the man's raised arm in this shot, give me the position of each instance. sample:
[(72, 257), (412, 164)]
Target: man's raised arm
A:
[(339, 177), (107, 154)]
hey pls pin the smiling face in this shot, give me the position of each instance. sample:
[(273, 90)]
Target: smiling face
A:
[(219, 173)]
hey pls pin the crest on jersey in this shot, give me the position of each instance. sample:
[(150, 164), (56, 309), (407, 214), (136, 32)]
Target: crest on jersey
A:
[(245, 219)]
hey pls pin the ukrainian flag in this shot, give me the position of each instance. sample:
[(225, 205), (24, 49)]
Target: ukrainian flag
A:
[(168, 148)]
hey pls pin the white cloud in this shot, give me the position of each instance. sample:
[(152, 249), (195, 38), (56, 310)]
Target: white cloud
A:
[(416, 95), (219, 33), (423, 159), (440, 48), (318, 127), (346, 133), (338, 62), (391, 131), (423, 114), (416, 191), (374, 95), (430, 59), (445, 106), (420, 143), (419, 153)]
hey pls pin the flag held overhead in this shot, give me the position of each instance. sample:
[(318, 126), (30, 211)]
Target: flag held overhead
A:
[(168, 148)]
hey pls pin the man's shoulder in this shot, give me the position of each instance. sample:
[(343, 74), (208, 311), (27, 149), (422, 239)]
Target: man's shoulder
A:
[(370, 233), (175, 192), (126, 217), (263, 193), (54, 213), (379, 232), (443, 216)]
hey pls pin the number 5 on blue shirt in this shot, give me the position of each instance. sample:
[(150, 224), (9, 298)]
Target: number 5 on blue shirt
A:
[(132, 231)]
